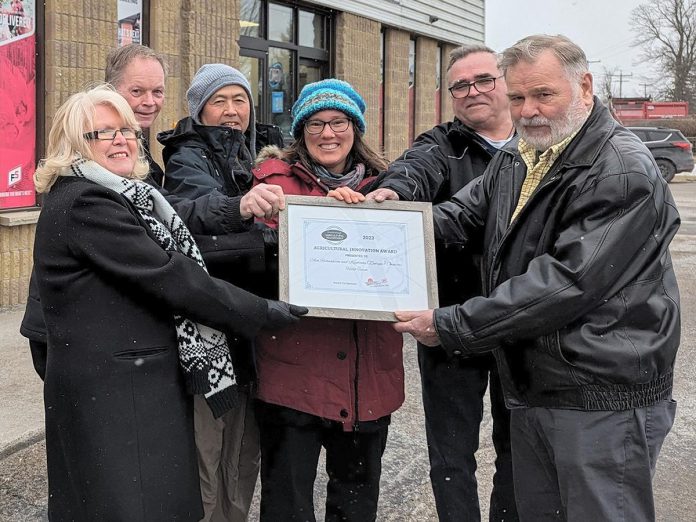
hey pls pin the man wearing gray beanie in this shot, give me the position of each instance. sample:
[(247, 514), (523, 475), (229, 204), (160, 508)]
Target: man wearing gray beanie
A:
[(210, 79), (212, 150)]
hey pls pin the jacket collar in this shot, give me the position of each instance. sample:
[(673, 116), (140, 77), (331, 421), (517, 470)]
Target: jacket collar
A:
[(469, 135), (589, 141)]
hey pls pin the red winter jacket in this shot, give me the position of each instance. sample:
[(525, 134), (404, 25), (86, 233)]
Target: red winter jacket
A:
[(338, 369)]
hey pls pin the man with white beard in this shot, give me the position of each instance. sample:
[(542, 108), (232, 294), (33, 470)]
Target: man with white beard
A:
[(580, 301)]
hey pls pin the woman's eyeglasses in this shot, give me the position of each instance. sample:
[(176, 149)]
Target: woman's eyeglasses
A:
[(336, 125), (110, 134)]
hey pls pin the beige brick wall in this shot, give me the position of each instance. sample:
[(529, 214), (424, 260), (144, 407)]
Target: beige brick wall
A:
[(395, 92), (426, 75), (358, 42), (167, 38), (447, 114), (78, 36), (16, 250)]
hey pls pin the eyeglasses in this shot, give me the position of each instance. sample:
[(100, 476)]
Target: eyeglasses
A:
[(110, 134), (317, 126), (462, 89)]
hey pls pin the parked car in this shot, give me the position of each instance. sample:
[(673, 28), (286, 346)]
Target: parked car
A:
[(671, 150)]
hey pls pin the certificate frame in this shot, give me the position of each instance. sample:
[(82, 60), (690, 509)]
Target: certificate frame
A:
[(401, 252)]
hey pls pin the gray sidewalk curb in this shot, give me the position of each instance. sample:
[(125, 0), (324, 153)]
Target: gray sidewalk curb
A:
[(26, 440)]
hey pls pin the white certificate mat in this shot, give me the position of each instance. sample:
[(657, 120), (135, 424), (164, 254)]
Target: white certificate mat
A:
[(360, 261)]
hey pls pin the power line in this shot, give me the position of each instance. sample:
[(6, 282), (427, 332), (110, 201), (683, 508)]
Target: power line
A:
[(645, 89), (622, 75)]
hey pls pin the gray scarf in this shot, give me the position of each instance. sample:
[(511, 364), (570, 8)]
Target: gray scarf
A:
[(350, 179), (204, 354)]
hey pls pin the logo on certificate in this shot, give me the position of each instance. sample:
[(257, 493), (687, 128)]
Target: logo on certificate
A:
[(334, 235), (377, 283)]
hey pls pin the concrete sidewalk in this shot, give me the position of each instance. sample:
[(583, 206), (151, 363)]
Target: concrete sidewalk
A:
[(21, 389)]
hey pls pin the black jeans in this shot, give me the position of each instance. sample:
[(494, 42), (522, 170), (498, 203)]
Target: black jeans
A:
[(290, 446), (453, 391)]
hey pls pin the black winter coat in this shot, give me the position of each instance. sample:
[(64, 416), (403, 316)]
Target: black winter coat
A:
[(439, 163), (203, 160), (212, 213), (119, 423), (581, 295)]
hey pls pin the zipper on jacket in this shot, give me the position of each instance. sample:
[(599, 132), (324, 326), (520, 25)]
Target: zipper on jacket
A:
[(356, 426), (541, 187)]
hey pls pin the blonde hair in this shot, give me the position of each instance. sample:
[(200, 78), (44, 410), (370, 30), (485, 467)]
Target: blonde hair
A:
[(66, 142)]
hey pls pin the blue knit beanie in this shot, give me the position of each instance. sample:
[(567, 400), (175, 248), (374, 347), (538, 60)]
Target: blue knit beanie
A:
[(326, 95)]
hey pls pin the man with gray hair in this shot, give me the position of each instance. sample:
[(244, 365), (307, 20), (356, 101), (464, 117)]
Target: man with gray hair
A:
[(580, 301), (137, 72), (440, 162)]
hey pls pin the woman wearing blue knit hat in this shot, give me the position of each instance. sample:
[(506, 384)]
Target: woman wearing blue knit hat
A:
[(329, 383)]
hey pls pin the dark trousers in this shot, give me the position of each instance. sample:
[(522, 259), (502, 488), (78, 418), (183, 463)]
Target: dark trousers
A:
[(575, 466), (453, 391), (290, 445)]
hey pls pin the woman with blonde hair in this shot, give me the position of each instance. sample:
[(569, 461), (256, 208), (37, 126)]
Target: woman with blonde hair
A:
[(133, 324)]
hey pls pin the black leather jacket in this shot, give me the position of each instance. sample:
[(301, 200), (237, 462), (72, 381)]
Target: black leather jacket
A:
[(581, 296), (439, 163)]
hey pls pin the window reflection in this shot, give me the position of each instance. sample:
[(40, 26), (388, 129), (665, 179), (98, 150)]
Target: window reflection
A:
[(251, 68), (311, 29), (280, 79), (309, 74), (282, 48), (280, 23), (250, 18)]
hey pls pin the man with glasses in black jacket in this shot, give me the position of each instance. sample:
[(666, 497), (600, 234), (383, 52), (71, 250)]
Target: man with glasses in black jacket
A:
[(440, 162)]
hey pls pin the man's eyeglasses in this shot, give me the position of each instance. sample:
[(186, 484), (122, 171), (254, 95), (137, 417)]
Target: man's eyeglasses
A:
[(462, 89), (110, 134), (317, 126)]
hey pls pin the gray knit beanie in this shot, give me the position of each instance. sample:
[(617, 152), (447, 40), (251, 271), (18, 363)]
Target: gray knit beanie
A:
[(209, 79)]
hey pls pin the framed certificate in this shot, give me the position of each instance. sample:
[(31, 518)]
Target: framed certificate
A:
[(357, 261)]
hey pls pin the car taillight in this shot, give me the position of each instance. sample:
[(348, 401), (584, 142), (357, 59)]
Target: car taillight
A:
[(682, 144)]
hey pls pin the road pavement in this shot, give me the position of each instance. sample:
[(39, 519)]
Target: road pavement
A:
[(405, 489)]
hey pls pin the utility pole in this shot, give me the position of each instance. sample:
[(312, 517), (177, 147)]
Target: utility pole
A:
[(621, 77), (645, 89)]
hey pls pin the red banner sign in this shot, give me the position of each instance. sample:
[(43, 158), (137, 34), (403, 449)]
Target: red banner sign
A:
[(17, 103)]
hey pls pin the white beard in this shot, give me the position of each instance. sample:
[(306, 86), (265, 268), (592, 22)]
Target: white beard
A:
[(560, 128)]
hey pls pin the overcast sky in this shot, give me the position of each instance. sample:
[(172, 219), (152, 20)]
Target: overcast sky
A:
[(600, 27)]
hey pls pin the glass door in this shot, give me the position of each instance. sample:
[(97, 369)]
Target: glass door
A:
[(252, 64)]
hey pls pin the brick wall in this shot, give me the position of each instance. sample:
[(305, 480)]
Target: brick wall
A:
[(426, 76), (16, 250), (447, 114), (395, 92), (358, 42), (79, 35)]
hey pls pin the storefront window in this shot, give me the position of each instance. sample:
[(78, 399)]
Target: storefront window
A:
[(252, 68), (280, 23), (250, 18), (311, 33), (282, 48), (280, 87)]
